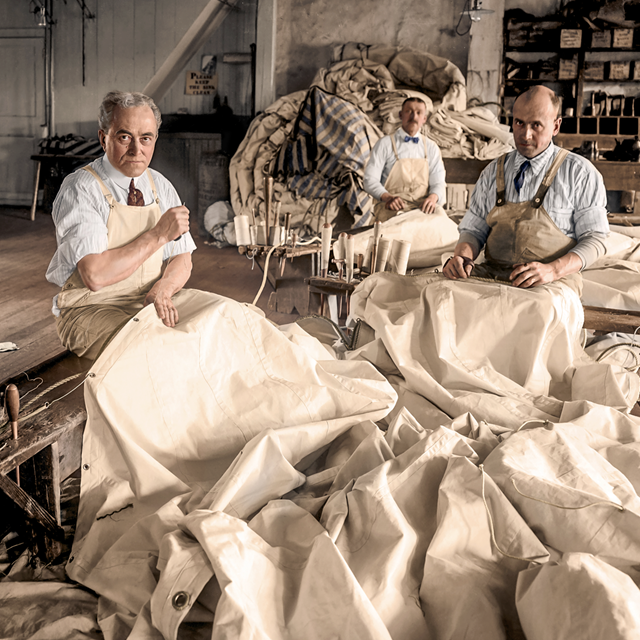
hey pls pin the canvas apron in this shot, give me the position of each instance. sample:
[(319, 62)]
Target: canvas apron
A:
[(408, 179), (524, 232), (89, 319)]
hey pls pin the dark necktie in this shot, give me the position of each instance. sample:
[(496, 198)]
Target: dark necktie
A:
[(519, 179), (135, 197), (411, 139)]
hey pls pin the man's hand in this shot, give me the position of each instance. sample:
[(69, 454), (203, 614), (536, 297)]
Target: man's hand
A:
[(532, 274), (458, 267), (393, 203), (173, 223), (160, 296), (461, 263), (429, 204), (175, 276)]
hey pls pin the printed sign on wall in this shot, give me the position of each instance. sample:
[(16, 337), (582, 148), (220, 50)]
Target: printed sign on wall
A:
[(200, 84)]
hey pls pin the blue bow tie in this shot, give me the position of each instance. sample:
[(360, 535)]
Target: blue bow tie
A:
[(410, 139)]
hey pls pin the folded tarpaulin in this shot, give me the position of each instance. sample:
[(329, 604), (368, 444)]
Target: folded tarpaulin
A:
[(327, 155), (171, 408)]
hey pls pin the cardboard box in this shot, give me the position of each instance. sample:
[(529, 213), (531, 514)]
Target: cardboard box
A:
[(601, 39), (568, 68), (623, 38), (570, 38), (594, 70), (619, 70)]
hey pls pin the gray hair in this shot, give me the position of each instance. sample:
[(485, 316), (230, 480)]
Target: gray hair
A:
[(125, 100)]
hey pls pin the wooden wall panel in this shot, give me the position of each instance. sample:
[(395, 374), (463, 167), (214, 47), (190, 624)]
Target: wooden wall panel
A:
[(125, 45)]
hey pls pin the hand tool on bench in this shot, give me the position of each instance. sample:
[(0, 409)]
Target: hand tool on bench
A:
[(12, 401)]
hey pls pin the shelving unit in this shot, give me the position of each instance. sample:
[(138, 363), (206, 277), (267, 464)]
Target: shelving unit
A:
[(597, 74)]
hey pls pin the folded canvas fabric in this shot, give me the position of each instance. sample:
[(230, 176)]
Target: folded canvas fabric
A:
[(169, 410), (430, 235), (597, 601), (472, 564), (569, 494), (522, 367)]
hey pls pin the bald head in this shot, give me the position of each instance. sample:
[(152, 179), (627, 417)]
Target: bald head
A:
[(540, 95), (535, 120)]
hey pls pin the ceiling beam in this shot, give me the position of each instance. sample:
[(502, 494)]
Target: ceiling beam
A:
[(204, 25)]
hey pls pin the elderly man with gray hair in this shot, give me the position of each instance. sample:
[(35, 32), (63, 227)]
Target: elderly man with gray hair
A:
[(122, 232)]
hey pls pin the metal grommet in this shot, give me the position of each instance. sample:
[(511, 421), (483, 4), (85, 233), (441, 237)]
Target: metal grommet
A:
[(85, 467), (537, 200), (180, 600)]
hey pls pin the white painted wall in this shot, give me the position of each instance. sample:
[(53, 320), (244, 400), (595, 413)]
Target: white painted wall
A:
[(125, 45), (128, 42)]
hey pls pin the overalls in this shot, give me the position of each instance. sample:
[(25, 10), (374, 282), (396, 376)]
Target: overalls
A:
[(90, 319), (524, 232), (409, 179)]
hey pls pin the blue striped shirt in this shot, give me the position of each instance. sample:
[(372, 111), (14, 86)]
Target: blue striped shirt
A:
[(576, 200), (80, 213), (382, 159)]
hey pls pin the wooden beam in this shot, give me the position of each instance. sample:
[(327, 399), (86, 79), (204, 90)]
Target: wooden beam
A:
[(608, 320), (31, 508), (266, 54), (205, 24)]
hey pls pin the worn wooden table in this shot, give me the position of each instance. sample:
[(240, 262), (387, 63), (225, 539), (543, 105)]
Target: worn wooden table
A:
[(47, 451)]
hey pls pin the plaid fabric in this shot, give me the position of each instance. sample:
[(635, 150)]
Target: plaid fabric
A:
[(327, 153), (71, 145)]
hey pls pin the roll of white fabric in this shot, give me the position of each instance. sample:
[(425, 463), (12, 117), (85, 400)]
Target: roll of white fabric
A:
[(262, 232), (350, 256), (340, 247), (243, 236), (275, 235), (399, 256), (326, 247), (366, 263), (382, 256)]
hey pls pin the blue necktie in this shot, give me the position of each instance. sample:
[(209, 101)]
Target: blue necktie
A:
[(410, 139), (519, 179)]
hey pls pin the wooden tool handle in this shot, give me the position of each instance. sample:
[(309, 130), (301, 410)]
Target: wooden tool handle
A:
[(268, 196), (12, 402)]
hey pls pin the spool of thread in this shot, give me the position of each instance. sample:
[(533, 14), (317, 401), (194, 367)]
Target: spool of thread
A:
[(275, 235), (253, 233), (262, 232), (326, 247), (382, 254), (399, 256), (340, 247), (366, 262), (349, 257), (243, 235)]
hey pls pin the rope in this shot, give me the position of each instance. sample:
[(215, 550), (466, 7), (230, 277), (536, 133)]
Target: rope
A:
[(46, 405), (618, 347), (266, 265), (524, 424), (493, 536), (619, 507), (264, 275)]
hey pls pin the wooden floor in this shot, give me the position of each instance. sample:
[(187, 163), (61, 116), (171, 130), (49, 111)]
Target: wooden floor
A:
[(25, 296)]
